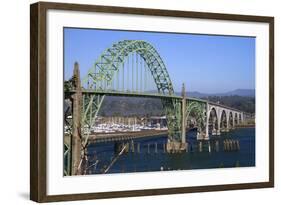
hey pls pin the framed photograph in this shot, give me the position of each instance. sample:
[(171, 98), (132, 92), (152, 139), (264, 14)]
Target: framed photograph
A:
[(135, 102)]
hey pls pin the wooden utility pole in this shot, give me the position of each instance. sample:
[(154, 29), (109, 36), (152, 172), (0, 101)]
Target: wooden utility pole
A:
[(76, 138)]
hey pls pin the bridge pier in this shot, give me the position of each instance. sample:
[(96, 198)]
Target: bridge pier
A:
[(202, 136), (183, 115), (206, 137), (180, 146), (225, 129), (176, 147), (207, 123), (76, 143)]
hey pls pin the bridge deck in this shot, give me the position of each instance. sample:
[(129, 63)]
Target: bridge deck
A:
[(121, 136), (137, 94), (130, 93), (224, 106), (150, 95)]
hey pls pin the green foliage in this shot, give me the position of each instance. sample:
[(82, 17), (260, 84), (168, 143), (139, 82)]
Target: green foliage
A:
[(67, 86), (131, 106)]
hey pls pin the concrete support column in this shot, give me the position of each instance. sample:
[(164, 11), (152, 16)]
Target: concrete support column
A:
[(227, 123), (214, 131), (218, 121), (207, 122), (183, 118), (76, 144), (240, 118), (219, 126)]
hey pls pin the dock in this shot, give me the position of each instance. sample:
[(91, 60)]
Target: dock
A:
[(121, 136)]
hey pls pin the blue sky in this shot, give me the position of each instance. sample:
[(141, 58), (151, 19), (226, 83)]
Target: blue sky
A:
[(205, 63)]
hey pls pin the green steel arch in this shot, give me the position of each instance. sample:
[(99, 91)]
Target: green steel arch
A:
[(199, 109), (102, 73)]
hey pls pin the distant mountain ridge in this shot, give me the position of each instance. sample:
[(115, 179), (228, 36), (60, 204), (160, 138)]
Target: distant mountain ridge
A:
[(238, 92)]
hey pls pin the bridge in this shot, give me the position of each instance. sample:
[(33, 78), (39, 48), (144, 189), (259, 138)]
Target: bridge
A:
[(134, 68)]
